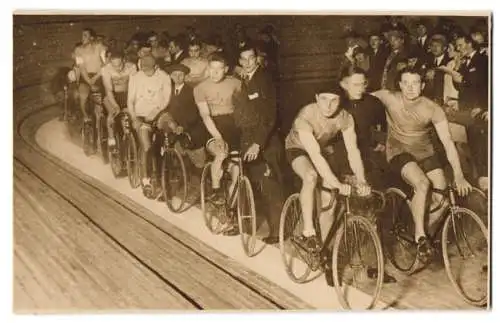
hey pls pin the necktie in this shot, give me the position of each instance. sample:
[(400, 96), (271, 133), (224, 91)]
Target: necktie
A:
[(177, 92), (468, 59), (436, 62)]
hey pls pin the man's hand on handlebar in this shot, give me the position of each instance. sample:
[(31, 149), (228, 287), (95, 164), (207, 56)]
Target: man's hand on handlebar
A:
[(463, 187), (178, 130), (363, 189)]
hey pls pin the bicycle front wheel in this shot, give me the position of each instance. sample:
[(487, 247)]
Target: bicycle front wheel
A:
[(247, 221), (214, 213), (357, 264), (174, 180), (133, 162), (464, 244)]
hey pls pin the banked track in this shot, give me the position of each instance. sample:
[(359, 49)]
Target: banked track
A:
[(136, 249)]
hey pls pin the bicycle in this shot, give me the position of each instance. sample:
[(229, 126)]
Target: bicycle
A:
[(173, 171), (101, 127), (401, 248), (341, 267), (217, 215), (89, 129), (118, 155)]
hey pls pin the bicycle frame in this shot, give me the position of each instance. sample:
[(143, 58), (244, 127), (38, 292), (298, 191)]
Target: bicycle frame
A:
[(341, 213)]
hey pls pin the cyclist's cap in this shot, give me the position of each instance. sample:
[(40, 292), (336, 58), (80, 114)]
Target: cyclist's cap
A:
[(148, 61), (180, 68)]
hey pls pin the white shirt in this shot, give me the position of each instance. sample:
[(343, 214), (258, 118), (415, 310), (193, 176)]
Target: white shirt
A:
[(178, 89), (147, 93), (421, 40), (250, 75), (438, 59)]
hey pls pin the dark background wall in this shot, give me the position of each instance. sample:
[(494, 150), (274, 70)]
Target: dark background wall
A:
[(311, 46)]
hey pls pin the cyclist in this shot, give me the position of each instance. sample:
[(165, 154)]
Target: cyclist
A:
[(410, 152), (182, 115), (214, 98), (115, 77), (149, 92), (308, 143), (90, 57), (198, 65)]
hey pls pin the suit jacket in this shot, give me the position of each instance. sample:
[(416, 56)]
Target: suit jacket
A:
[(473, 90), (434, 89), (183, 108), (422, 51), (377, 63), (255, 112), (392, 71)]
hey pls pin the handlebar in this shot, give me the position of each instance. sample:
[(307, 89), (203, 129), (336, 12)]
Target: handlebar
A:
[(335, 191)]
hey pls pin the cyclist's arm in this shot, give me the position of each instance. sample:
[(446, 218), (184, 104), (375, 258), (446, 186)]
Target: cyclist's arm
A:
[(132, 90), (207, 119), (443, 132), (353, 154), (313, 150), (108, 86)]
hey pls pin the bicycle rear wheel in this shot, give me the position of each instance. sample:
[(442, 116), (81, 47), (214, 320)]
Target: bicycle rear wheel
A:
[(174, 180), (294, 259), (357, 264), (102, 139), (464, 243), (133, 162), (247, 221), (397, 230), (215, 214)]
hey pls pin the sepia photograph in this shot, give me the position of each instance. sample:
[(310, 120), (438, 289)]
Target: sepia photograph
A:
[(176, 162)]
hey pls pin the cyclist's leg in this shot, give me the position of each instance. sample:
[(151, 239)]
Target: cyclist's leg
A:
[(220, 152), (83, 95), (303, 167), (413, 175), (112, 112), (144, 134), (435, 172)]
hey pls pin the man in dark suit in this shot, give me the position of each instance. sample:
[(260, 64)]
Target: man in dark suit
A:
[(473, 86), (396, 61), (434, 77), (255, 114), (177, 50), (377, 54), (182, 115), (422, 41)]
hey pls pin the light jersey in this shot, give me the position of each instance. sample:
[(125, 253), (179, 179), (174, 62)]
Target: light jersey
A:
[(119, 80), (324, 129), (218, 96), (198, 68), (91, 57), (149, 92), (409, 124)]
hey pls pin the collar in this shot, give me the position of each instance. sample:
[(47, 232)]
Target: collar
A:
[(179, 53), (179, 87), (439, 58), (252, 74), (471, 55)]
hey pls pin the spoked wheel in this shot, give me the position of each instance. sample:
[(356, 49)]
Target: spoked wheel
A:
[(398, 232), (247, 221), (476, 201), (88, 139), (174, 180), (464, 244), (357, 264), (116, 158), (297, 261), (102, 139), (216, 214), (133, 162)]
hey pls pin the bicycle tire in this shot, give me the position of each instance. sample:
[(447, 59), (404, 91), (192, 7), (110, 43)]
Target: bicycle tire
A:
[(166, 170), (449, 222), (293, 202), (212, 222), (133, 162), (359, 222), (398, 234), (246, 197)]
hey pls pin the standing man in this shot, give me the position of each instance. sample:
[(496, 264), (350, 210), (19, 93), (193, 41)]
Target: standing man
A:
[(377, 54), (396, 61), (434, 77), (255, 115), (197, 65)]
